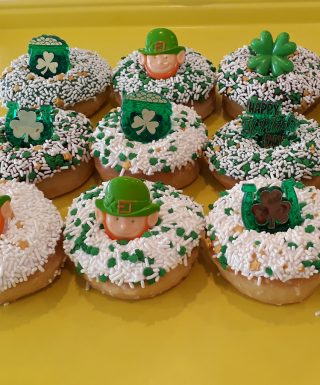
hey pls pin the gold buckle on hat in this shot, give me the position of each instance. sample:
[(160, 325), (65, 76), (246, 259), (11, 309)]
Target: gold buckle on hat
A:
[(124, 207), (160, 46)]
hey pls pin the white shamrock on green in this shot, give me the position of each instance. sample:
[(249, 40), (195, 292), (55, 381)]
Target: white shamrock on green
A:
[(145, 122), (26, 125), (47, 63)]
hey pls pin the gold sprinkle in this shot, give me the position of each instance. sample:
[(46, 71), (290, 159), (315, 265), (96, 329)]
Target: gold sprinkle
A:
[(126, 164), (23, 244), (229, 90), (83, 73), (16, 88), (19, 225), (217, 148), (3, 181), (8, 69), (248, 69), (238, 145), (285, 266), (312, 149), (238, 229), (70, 77), (59, 102), (38, 147), (30, 76), (255, 265), (37, 165), (67, 156), (306, 93), (245, 78), (301, 269), (158, 149), (60, 77)]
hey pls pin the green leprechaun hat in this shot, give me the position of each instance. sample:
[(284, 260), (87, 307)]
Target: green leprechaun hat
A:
[(161, 41), (127, 197), (4, 199)]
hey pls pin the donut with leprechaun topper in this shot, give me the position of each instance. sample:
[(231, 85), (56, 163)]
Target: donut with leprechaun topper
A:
[(30, 248), (263, 235), (265, 141), (164, 67), (46, 146), (132, 239), (271, 70), (152, 138), (53, 73)]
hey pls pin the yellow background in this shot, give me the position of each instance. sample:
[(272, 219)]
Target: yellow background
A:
[(202, 332)]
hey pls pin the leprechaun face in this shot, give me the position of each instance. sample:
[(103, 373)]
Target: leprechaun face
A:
[(5, 214), (117, 227), (162, 66)]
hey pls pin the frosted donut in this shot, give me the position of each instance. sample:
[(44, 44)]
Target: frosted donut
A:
[(30, 249), (85, 87), (298, 89), (59, 165), (188, 80), (233, 158), (276, 268), (142, 267), (172, 159)]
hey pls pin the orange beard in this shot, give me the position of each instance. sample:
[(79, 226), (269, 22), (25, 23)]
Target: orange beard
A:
[(163, 75), (2, 224), (116, 238)]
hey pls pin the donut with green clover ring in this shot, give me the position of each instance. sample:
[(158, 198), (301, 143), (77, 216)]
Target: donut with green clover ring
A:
[(232, 158), (172, 159), (276, 267), (250, 71), (30, 246), (84, 85), (193, 85), (60, 162), (142, 267)]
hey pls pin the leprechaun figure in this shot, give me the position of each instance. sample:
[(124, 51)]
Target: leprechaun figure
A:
[(126, 211), (162, 54), (5, 212)]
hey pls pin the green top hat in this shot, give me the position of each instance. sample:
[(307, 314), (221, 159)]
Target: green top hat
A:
[(161, 41), (127, 197), (4, 199)]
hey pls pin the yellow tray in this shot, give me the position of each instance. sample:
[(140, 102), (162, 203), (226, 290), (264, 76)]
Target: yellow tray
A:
[(203, 331)]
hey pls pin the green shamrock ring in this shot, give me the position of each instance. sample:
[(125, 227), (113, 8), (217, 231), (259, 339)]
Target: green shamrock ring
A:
[(270, 56)]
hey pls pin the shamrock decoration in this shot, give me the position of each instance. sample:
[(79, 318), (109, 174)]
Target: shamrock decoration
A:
[(145, 122), (46, 63), (267, 209), (48, 56), (272, 56), (145, 117), (26, 126), (271, 208)]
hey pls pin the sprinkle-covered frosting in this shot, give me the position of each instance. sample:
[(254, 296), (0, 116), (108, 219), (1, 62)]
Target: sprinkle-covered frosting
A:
[(66, 149), (193, 81), (294, 253), (299, 88), (182, 145), (142, 260), (88, 76), (31, 236), (230, 154)]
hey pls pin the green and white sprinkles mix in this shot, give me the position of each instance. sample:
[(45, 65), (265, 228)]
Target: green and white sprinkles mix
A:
[(28, 241), (140, 261), (89, 75), (68, 146), (182, 145), (193, 81), (299, 88), (294, 253), (230, 154)]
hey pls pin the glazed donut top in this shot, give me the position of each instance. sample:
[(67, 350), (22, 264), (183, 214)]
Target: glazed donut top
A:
[(88, 76), (67, 147), (229, 153), (31, 236), (193, 81), (294, 253), (183, 144), (299, 88), (142, 260)]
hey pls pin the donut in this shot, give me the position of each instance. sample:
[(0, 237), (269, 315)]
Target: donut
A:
[(30, 246), (83, 85), (172, 158), (232, 157), (133, 262), (57, 163), (276, 263), (296, 85), (189, 78)]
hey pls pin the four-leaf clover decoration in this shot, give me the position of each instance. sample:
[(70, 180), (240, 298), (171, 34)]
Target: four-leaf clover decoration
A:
[(271, 209), (272, 56), (47, 63), (26, 126), (145, 122)]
